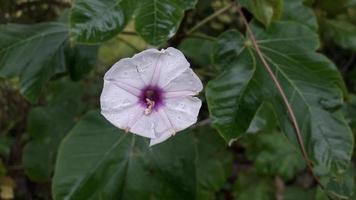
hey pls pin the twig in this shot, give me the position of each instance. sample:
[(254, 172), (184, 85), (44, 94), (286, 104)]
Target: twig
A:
[(128, 44), (282, 93), (346, 67), (202, 36), (280, 187), (129, 33), (202, 123), (206, 73), (207, 19)]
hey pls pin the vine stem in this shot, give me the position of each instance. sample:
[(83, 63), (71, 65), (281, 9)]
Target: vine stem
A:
[(207, 19), (128, 44), (282, 93)]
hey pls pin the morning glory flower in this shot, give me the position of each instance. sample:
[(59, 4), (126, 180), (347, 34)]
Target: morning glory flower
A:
[(151, 94)]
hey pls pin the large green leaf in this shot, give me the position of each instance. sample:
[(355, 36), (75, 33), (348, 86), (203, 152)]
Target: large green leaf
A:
[(94, 21), (158, 20), (264, 10), (98, 161), (312, 85), (47, 126), (33, 52)]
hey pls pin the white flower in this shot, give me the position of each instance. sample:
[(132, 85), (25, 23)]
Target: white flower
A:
[(151, 94)]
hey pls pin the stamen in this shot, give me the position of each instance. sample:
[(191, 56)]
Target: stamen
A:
[(127, 129), (151, 105), (167, 121), (173, 132)]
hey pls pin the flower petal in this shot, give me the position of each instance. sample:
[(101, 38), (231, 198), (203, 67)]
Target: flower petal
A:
[(151, 126), (163, 138), (118, 105), (185, 84), (146, 63), (172, 64), (182, 112), (125, 72)]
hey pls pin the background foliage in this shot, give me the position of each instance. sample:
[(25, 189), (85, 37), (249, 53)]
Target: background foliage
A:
[(54, 144)]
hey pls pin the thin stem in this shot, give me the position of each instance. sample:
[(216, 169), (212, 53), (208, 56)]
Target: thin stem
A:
[(282, 93), (202, 36), (129, 33), (208, 18), (128, 44), (203, 122), (205, 73)]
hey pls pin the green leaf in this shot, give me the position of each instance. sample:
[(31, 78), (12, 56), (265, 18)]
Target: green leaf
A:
[(3, 170), (198, 49), (273, 155), (187, 4), (264, 119), (249, 186), (158, 20), (341, 32), (33, 52), (227, 48), (296, 193), (5, 145), (350, 112), (343, 183), (97, 160), (264, 10), (95, 21), (312, 85), (333, 7), (294, 10), (80, 59), (47, 126)]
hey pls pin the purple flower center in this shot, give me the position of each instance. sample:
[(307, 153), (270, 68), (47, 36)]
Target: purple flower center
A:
[(151, 94)]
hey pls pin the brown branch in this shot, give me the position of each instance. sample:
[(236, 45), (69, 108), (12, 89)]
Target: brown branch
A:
[(282, 93), (208, 19)]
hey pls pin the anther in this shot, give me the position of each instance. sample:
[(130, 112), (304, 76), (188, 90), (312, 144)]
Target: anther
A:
[(150, 106)]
